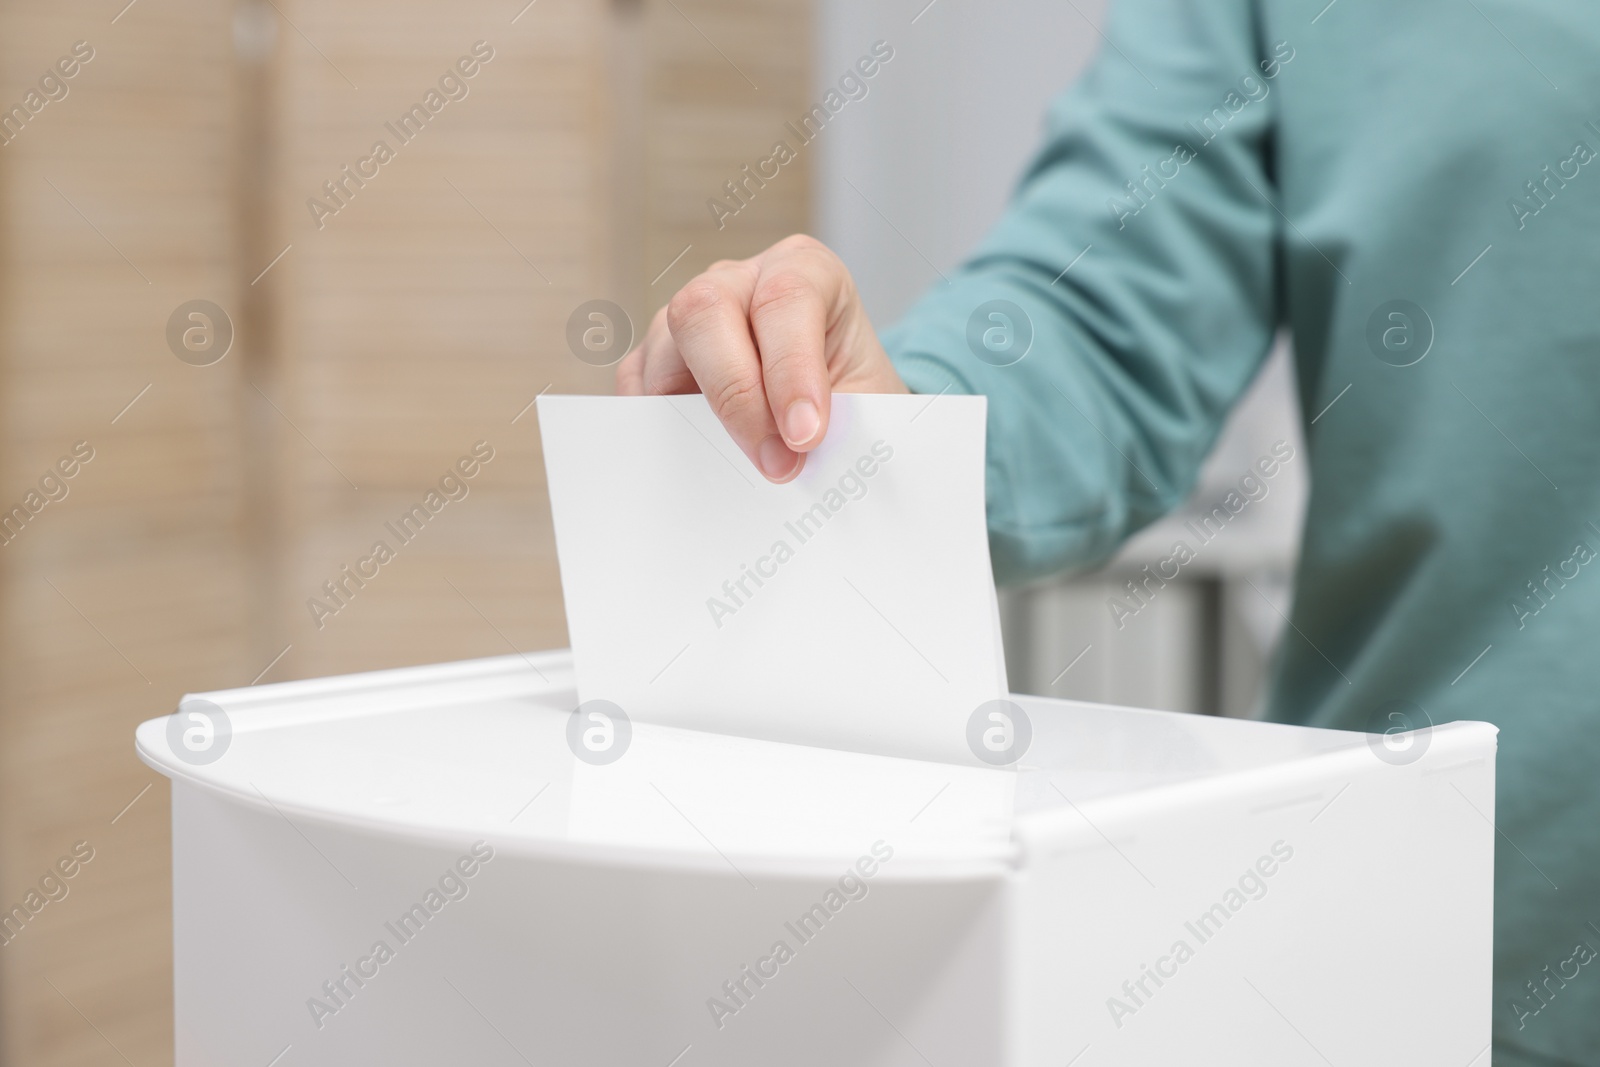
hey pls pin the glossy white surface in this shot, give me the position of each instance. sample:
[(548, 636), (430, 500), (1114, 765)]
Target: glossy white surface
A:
[(479, 749), (616, 905)]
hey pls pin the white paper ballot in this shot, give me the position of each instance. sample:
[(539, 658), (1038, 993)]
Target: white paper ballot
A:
[(853, 607)]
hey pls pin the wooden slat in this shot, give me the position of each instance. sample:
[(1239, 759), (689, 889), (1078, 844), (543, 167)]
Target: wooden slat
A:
[(127, 592)]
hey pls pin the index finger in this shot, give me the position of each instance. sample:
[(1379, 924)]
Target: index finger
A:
[(796, 297), (709, 320)]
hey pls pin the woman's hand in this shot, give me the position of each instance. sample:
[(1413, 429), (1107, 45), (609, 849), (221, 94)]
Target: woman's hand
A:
[(767, 340)]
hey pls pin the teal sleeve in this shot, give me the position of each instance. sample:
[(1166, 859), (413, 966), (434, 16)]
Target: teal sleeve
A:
[(1169, 305)]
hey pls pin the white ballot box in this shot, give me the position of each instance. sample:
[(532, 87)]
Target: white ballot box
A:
[(453, 865)]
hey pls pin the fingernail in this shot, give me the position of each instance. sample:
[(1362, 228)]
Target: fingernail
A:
[(777, 462), (801, 423)]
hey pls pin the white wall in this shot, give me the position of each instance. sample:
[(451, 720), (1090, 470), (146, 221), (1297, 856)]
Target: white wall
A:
[(938, 143)]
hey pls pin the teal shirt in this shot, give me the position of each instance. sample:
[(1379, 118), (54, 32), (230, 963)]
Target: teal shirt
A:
[(1303, 167)]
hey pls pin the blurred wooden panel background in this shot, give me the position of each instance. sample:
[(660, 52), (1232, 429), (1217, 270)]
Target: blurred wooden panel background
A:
[(370, 354), (117, 208)]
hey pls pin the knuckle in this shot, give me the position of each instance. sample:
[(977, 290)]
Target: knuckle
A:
[(694, 301), (735, 395), (780, 288), (801, 242)]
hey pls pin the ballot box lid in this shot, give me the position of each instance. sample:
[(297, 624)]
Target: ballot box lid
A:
[(489, 749)]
